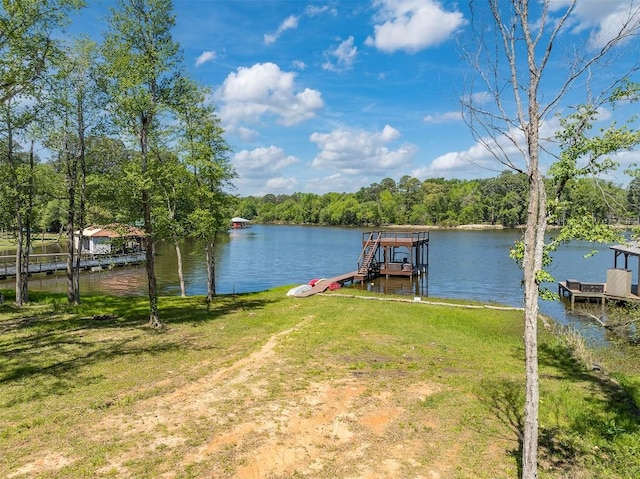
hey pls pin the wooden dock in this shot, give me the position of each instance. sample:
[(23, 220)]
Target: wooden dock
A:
[(588, 291), (573, 291), (393, 253), (388, 253), (322, 285), (52, 263)]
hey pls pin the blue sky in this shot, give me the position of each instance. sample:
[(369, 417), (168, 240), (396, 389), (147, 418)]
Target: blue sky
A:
[(333, 95)]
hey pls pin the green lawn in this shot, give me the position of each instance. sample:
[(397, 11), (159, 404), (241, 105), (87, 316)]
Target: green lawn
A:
[(264, 385), (9, 244)]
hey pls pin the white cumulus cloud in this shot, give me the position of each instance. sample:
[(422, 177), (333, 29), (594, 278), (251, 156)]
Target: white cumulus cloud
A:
[(314, 11), (336, 182), (264, 89), (281, 184), (299, 64), (357, 151), (262, 162), (606, 18), (412, 25)]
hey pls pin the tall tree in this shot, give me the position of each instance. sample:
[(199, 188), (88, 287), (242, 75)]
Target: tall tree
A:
[(633, 198), (26, 49), (73, 109), (142, 64), (513, 59), (206, 155), (176, 187), (18, 187), (26, 43)]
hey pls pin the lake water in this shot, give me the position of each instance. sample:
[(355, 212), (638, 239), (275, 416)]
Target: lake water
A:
[(462, 264)]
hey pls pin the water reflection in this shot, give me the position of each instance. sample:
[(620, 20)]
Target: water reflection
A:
[(417, 286), (127, 281)]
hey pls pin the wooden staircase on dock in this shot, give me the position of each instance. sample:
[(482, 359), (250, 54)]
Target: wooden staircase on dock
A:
[(366, 263)]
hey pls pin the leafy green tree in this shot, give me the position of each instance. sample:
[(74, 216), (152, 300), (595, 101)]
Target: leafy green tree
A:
[(26, 42), (633, 198), (73, 106), (205, 153), (388, 207), (142, 66), (171, 210), (434, 198), (112, 191), (247, 207), (504, 198), (26, 49), (18, 187), (389, 184)]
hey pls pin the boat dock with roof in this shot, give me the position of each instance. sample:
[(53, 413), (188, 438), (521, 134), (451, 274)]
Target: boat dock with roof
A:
[(384, 253)]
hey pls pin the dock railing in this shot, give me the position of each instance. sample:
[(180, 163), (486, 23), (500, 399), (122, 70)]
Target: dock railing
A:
[(368, 253), (401, 236), (52, 262)]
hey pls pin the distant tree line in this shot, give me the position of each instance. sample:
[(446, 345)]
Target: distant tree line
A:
[(501, 200)]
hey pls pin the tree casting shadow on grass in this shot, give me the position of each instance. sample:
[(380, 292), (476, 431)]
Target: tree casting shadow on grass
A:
[(54, 342), (607, 413)]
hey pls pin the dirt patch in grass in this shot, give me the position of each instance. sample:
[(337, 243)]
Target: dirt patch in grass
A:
[(258, 418), (261, 387), (273, 413)]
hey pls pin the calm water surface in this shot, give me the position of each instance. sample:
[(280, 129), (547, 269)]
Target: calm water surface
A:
[(462, 264)]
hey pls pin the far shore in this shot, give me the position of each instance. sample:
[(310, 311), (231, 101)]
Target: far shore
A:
[(458, 227)]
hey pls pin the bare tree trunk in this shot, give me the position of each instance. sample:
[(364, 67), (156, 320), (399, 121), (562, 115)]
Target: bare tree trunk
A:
[(24, 276), (183, 292), (83, 187), (81, 157), (28, 224), (211, 270), (70, 261), (76, 270), (17, 207), (19, 247), (154, 319), (71, 212), (534, 243)]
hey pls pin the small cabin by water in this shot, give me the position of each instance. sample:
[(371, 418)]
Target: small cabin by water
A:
[(110, 239)]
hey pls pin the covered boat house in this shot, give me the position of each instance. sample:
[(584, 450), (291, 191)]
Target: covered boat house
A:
[(238, 223), (388, 253), (108, 240), (393, 253)]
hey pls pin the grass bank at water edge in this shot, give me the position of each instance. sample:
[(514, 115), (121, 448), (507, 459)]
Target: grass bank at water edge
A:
[(265, 385)]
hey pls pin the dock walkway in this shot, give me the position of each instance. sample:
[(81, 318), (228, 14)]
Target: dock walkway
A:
[(55, 263), (322, 285)]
